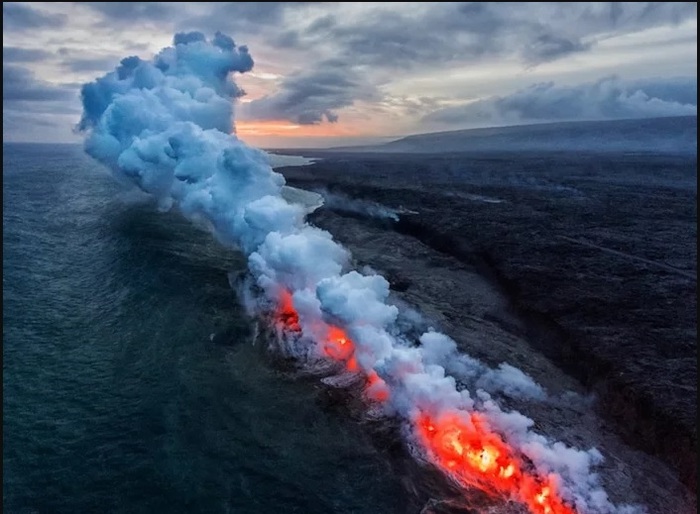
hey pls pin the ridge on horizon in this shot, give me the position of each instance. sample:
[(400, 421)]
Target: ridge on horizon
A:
[(681, 129)]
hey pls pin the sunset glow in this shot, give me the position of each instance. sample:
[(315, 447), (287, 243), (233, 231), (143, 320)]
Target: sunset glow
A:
[(269, 133)]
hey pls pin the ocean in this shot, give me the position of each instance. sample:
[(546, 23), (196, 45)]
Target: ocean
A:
[(133, 381)]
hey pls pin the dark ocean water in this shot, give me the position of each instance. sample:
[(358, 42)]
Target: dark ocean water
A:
[(114, 397)]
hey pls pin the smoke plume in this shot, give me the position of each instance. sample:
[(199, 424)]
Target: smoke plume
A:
[(166, 125)]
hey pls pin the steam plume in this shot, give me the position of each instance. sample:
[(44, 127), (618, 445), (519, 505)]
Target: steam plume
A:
[(166, 125)]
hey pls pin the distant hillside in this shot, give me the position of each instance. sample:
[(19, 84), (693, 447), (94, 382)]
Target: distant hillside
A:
[(676, 135)]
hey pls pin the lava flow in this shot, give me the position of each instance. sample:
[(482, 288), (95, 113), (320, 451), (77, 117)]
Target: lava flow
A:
[(463, 446), (337, 346), (460, 443)]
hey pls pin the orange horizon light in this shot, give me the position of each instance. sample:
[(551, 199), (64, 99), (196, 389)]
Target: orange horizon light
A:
[(285, 128)]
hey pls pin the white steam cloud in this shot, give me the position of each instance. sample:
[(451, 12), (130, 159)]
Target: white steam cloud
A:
[(166, 126)]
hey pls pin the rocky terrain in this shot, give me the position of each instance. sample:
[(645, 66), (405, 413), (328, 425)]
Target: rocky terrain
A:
[(578, 268)]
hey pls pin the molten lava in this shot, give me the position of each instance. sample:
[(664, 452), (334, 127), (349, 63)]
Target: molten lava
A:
[(337, 346), (376, 389), (460, 443), (287, 314)]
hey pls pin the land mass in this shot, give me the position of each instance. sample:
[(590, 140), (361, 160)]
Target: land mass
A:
[(594, 251), (675, 135)]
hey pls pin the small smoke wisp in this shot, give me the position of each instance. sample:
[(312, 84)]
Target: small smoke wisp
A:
[(364, 208), (166, 126)]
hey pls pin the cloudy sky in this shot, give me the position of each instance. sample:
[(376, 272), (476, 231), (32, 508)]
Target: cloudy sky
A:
[(348, 73)]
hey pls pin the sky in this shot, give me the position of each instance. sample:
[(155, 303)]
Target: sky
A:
[(348, 73)]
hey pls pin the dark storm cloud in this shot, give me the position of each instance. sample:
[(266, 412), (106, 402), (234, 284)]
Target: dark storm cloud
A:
[(19, 84), (310, 97), (16, 54), (609, 98), (17, 17)]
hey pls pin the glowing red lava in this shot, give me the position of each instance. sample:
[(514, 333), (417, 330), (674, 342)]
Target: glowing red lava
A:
[(337, 346), (460, 443), (287, 314)]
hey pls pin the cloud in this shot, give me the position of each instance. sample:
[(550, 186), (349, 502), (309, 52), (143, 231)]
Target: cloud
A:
[(333, 56), (19, 84), (310, 97), (241, 13), (392, 39), (247, 19), (683, 90), (233, 17), (374, 43), (18, 54), (18, 17), (608, 98), (32, 108), (548, 47), (132, 11), (130, 14), (33, 127), (322, 24), (90, 64), (462, 32)]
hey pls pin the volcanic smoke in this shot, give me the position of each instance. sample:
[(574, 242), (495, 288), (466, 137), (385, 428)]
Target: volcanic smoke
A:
[(166, 125)]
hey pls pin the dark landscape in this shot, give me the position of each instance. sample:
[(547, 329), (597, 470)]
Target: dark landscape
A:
[(592, 256)]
